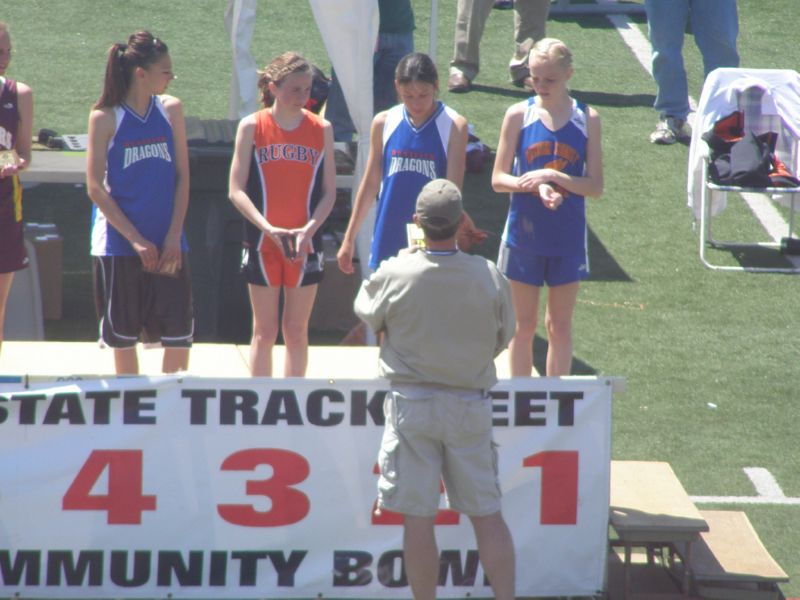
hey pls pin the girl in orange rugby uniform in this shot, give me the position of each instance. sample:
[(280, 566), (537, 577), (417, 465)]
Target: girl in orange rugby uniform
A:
[(283, 180)]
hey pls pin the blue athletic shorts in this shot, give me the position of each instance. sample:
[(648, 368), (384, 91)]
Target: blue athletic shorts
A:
[(519, 265)]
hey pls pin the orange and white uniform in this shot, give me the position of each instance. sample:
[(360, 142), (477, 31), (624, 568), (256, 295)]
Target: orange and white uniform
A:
[(285, 184)]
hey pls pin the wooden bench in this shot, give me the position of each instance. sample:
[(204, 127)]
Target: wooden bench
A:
[(649, 508), (730, 562)]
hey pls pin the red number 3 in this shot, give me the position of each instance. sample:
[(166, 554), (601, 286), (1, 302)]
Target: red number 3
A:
[(289, 505)]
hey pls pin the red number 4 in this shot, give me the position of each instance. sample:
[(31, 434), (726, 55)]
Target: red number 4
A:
[(124, 501)]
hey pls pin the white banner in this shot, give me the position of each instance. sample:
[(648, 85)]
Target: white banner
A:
[(254, 488)]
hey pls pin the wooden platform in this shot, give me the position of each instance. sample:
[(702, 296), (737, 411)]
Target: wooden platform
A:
[(649, 508), (720, 554), (206, 360), (730, 562), (649, 504)]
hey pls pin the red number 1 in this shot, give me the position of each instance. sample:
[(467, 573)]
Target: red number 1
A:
[(559, 486)]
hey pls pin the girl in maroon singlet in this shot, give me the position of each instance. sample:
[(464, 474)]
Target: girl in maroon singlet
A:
[(16, 125)]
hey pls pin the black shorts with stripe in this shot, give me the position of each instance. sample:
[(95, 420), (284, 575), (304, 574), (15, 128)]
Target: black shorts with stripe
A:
[(134, 305)]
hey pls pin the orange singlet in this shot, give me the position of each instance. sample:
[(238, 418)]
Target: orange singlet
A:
[(285, 184)]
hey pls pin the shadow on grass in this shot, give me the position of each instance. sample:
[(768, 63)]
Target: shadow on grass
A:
[(506, 92), (603, 266), (749, 257), (593, 98), (594, 21), (540, 357)]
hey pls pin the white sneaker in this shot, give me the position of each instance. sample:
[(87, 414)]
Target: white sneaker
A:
[(670, 130)]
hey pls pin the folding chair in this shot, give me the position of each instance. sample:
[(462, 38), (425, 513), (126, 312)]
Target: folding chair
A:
[(769, 100)]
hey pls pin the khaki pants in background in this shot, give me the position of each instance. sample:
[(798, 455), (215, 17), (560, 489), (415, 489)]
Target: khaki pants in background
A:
[(530, 19)]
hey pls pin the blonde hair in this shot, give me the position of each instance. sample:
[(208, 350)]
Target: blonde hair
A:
[(553, 50), (279, 69), (4, 28)]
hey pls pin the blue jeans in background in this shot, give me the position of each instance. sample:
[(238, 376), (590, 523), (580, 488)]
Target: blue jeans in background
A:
[(391, 48), (715, 25)]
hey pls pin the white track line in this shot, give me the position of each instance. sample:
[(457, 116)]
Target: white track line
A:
[(764, 482), (745, 500), (768, 490)]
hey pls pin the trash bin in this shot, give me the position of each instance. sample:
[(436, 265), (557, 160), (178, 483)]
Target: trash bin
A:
[(49, 250), (214, 231)]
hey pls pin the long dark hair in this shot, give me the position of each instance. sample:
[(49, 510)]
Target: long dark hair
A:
[(142, 50), (416, 67)]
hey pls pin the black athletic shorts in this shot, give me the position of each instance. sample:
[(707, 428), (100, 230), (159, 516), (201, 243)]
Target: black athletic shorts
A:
[(134, 305)]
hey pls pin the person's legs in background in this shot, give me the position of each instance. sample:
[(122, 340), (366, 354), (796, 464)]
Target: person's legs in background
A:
[(471, 18), (391, 48), (715, 25), (336, 112), (530, 24), (666, 25)]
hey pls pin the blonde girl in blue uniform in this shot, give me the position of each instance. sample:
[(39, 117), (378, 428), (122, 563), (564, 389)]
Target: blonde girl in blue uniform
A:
[(549, 159)]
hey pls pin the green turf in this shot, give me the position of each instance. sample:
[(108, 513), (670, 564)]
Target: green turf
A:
[(684, 337)]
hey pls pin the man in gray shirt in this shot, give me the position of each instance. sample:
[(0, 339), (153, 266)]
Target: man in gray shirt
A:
[(444, 316)]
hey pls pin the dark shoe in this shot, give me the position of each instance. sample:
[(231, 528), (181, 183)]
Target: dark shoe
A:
[(670, 130), (458, 84)]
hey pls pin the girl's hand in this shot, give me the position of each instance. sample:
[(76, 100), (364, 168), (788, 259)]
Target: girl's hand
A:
[(304, 243), (276, 234), (550, 197), (10, 163), (9, 171), (148, 253), (169, 262), (530, 181), (345, 257)]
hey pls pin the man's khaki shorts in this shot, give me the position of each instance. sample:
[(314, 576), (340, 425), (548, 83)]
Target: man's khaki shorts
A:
[(433, 434)]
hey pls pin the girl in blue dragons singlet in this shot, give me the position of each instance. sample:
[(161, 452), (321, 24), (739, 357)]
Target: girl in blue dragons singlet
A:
[(411, 144), (138, 179), (549, 158)]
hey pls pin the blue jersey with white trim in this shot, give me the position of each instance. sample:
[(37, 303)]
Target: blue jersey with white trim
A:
[(140, 177), (530, 225), (412, 156)]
